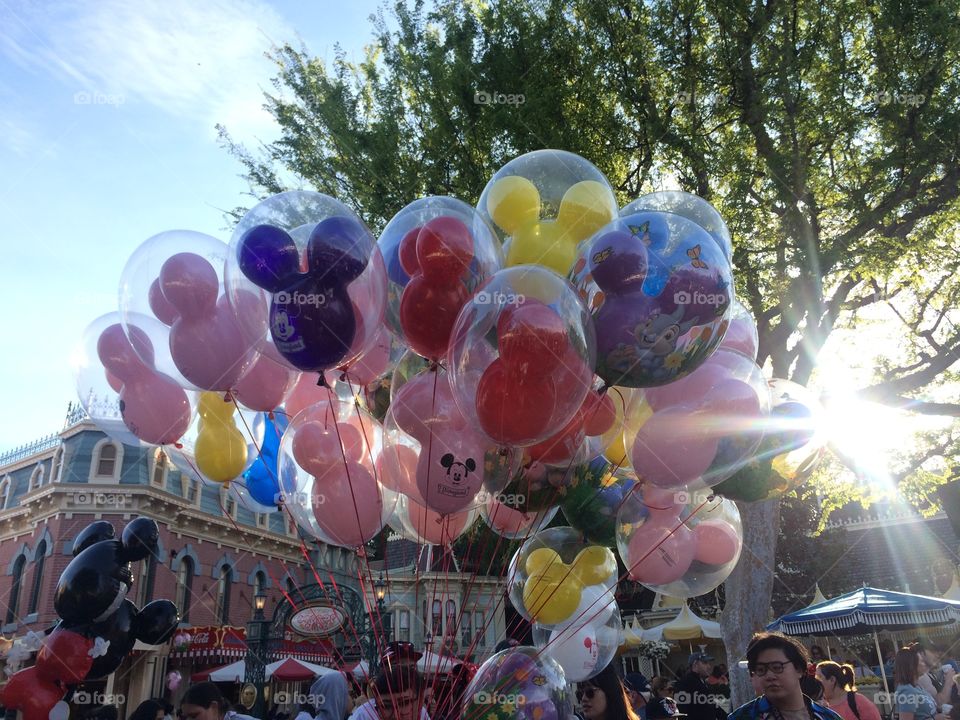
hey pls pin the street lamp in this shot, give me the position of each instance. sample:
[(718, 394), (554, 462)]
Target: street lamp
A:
[(258, 639), (380, 589)]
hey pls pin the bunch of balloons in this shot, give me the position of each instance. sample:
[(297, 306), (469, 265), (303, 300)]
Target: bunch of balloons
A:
[(542, 349)]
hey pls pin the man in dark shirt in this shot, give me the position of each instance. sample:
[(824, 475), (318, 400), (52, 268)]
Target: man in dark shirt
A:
[(694, 697)]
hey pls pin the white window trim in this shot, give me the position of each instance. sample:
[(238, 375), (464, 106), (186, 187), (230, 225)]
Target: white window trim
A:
[(56, 468), (159, 458), (5, 489), (185, 484), (228, 503), (95, 462), (36, 477), (262, 521)]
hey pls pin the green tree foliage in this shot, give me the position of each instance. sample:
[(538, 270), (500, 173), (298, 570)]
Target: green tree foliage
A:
[(827, 132)]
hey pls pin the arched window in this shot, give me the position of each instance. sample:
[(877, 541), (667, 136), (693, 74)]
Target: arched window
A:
[(437, 627), (57, 469), (5, 493), (480, 628), (291, 586), (223, 595), (14, 605), (106, 461), (467, 631), (451, 617), (36, 479), (37, 576), (404, 630), (159, 475), (185, 587)]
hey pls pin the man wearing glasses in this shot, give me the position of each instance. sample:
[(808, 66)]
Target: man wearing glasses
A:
[(776, 663)]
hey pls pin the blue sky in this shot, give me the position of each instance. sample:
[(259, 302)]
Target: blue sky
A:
[(107, 114)]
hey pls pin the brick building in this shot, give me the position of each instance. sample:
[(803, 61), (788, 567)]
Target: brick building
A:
[(214, 554)]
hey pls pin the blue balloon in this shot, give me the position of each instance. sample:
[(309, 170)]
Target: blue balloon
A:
[(268, 257), (261, 476)]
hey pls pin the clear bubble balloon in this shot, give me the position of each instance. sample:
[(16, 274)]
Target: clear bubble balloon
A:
[(791, 448), (438, 251), (679, 543), (692, 207), (416, 522), (741, 334), (659, 290), (586, 644), (518, 683), (522, 355), (549, 573), (706, 425), (543, 204), (500, 514), (177, 278), (592, 501), (210, 449), (328, 473), (304, 276), (432, 453)]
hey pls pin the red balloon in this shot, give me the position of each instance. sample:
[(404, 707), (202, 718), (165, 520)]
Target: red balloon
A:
[(599, 414), (428, 311), (34, 697), (532, 335), (444, 249), (514, 411), (408, 252), (562, 445)]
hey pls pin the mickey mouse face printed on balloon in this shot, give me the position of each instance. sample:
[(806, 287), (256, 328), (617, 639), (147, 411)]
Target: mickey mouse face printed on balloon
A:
[(299, 255)]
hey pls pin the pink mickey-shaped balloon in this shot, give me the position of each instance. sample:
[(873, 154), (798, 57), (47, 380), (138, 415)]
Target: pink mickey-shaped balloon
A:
[(397, 469), (674, 447), (165, 312), (316, 447), (373, 363), (689, 390), (307, 393), (734, 408), (206, 341), (717, 542), (426, 400), (265, 385), (449, 470), (153, 407), (348, 505), (660, 553), (662, 504)]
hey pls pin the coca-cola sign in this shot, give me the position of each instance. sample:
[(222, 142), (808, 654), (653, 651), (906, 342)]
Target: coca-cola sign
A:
[(318, 620)]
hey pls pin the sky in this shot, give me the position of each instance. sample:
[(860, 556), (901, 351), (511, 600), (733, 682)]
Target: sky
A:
[(107, 137)]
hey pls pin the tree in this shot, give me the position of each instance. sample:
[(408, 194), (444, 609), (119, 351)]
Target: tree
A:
[(826, 133)]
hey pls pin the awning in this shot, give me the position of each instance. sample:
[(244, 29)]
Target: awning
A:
[(433, 664), (868, 610), (687, 625), (216, 644), (285, 670)]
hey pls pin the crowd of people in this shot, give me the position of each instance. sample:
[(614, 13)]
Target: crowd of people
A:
[(789, 682)]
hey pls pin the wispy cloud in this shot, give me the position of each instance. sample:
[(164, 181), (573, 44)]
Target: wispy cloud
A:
[(200, 61)]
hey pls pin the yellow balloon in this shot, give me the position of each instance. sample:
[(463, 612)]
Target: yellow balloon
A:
[(594, 564), (585, 208), (553, 595), (541, 559), (513, 201), (542, 243), (220, 450)]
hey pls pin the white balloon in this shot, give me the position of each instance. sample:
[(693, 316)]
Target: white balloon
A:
[(577, 651)]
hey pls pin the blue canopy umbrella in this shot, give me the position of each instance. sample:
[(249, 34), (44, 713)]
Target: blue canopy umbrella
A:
[(868, 611)]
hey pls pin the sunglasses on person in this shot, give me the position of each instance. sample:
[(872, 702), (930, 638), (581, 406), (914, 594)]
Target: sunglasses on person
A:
[(761, 669), (589, 693)]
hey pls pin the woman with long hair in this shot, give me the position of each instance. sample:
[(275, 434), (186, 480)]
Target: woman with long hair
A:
[(840, 692), (604, 697), (911, 701)]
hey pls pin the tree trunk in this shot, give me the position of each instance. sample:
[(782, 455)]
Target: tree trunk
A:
[(748, 590)]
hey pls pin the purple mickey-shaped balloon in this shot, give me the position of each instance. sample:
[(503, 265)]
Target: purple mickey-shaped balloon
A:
[(339, 248), (269, 258), (618, 262)]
